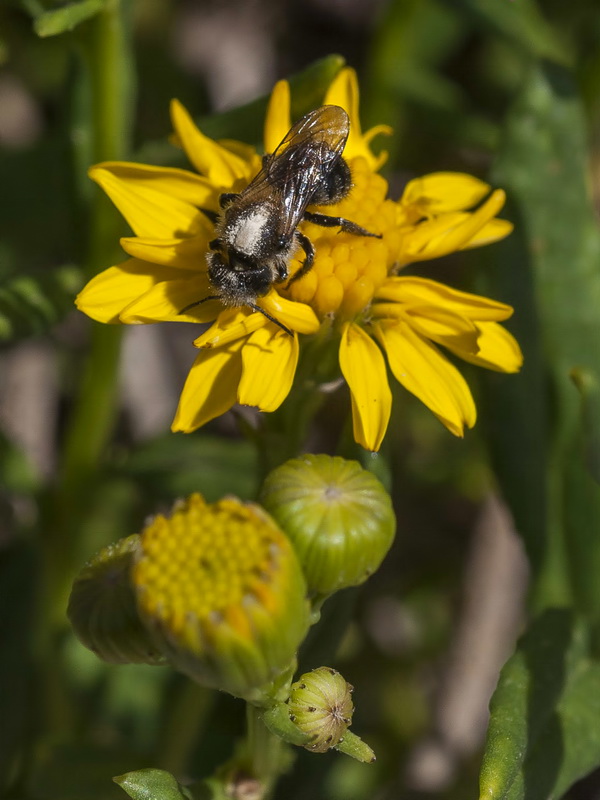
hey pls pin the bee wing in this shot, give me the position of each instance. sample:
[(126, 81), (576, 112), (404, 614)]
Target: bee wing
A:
[(291, 173)]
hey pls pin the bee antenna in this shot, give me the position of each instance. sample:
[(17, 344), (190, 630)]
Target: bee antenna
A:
[(266, 314), (199, 302)]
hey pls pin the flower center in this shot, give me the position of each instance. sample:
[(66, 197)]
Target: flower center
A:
[(211, 563), (348, 269)]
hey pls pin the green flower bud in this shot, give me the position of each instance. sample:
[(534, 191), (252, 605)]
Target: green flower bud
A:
[(320, 705), (338, 516), (221, 589), (103, 611)]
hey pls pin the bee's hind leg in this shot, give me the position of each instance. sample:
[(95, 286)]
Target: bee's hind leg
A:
[(338, 222), (309, 250)]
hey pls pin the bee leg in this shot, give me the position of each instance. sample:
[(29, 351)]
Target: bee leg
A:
[(199, 302), (334, 222), (212, 215), (226, 198), (266, 314), (307, 246)]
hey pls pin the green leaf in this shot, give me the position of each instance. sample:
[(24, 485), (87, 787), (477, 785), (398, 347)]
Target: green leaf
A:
[(29, 304), (589, 389), (175, 466), (548, 270), (152, 784), (60, 20), (544, 733)]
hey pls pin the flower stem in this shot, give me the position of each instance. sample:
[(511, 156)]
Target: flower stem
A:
[(264, 751)]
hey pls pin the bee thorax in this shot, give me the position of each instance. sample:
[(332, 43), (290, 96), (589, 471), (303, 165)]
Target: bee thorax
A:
[(248, 232)]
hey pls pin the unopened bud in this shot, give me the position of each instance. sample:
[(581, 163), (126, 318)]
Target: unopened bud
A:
[(338, 516)]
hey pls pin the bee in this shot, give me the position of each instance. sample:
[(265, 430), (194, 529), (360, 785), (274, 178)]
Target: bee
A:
[(257, 230)]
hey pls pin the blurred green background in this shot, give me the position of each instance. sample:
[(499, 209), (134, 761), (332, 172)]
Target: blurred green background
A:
[(508, 90)]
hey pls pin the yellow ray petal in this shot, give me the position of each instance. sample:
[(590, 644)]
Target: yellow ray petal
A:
[(444, 191), (232, 324), (210, 389), (413, 291), (165, 301), (498, 349), (220, 165), (363, 367), (179, 183), (189, 253), (440, 324), (420, 367), (449, 232), (269, 359), (343, 91), (296, 316), (494, 231), (106, 295), (277, 120), (150, 211)]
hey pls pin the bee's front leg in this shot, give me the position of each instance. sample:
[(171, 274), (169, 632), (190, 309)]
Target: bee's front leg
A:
[(226, 198), (309, 250), (334, 222)]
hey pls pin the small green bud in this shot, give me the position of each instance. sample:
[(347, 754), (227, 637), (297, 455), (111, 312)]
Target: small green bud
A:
[(103, 611), (338, 516), (320, 705)]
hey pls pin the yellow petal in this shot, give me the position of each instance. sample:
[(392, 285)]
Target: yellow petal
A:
[(420, 367), (165, 301), (269, 359), (444, 191), (343, 91), (277, 120), (450, 232), (147, 208), (493, 231), (442, 325), (179, 183), (498, 349), (220, 165), (189, 253), (295, 316), (363, 367), (106, 295), (210, 389), (232, 324), (412, 291)]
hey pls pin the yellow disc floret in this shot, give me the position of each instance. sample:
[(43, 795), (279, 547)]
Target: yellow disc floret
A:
[(220, 584), (348, 269)]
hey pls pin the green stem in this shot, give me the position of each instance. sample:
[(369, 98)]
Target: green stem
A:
[(264, 751), (106, 66), (104, 71)]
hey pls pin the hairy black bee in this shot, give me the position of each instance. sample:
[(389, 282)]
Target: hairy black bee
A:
[(257, 231)]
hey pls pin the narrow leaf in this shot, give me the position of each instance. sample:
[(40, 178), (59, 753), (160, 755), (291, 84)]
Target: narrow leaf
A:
[(543, 733), (60, 20)]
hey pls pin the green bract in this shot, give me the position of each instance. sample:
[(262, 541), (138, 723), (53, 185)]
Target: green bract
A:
[(102, 608)]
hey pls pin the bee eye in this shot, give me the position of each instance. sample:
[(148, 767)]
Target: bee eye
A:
[(282, 243)]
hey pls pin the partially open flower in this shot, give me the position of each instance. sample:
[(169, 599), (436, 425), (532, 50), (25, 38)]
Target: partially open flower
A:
[(337, 514), (103, 612), (220, 587)]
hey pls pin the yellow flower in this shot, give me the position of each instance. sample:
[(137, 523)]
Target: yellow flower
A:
[(355, 293)]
